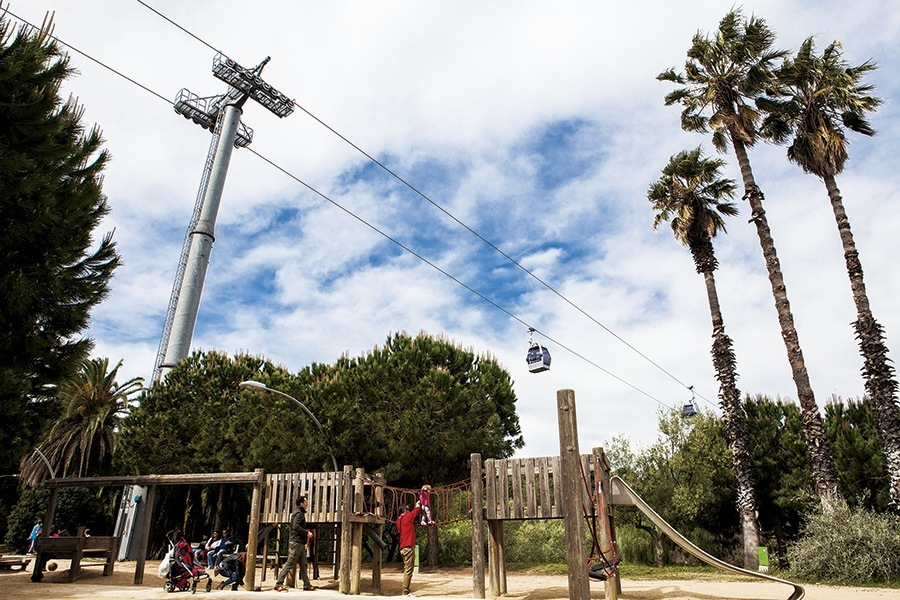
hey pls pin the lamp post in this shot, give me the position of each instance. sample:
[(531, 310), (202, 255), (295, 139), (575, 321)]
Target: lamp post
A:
[(256, 386)]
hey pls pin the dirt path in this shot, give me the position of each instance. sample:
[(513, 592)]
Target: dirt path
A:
[(445, 583)]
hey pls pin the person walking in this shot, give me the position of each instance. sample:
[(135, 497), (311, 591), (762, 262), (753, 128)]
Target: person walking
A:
[(406, 528), (298, 544), (33, 536)]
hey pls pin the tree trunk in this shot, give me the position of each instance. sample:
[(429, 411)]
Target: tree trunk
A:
[(881, 385), (656, 538), (220, 509), (780, 542), (735, 425), (817, 445), (434, 546)]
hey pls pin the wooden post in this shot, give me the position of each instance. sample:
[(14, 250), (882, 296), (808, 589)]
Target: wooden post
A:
[(346, 509), (495, 557), (253, 533), (145, 535), (501, 557), (378, 495), (573, 492), (75, 565), (357, 537), (475, 494), (38, 573), (604, 535)]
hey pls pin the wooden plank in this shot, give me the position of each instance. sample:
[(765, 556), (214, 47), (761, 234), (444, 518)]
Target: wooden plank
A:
[(503, 489), (557, 487), (149, 480), (517, 501), (490, 485), (476, 471), (530, 493), (546, 510)]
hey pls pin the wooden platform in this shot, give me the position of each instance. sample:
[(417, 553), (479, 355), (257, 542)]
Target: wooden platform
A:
[(75, 548), (14, 560)]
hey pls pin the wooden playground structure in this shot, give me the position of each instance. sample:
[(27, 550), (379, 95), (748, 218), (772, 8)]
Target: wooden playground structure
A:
[(346, 506)]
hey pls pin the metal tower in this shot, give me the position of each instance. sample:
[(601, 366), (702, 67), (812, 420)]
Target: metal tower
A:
[(221, 115)]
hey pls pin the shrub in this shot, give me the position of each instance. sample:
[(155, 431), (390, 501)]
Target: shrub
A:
[(848, 545), (75, 507)]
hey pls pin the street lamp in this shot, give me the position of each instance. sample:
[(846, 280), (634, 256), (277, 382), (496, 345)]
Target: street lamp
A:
[(256, 386)]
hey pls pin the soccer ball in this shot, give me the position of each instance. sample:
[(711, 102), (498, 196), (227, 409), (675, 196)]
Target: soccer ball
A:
[(52, 566)]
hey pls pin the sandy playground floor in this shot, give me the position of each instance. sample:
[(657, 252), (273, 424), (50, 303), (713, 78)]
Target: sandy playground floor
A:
[(441, 583)]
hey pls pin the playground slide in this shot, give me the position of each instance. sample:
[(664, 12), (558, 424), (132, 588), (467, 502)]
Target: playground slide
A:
[(620, 488)]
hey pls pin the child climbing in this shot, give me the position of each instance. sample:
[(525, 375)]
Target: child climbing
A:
[(425, 502)]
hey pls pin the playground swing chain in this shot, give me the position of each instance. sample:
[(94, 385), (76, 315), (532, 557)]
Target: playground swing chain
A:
[(605, 568)]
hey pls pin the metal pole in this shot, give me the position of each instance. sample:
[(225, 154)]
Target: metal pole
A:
[(256, 385), (202, 239)]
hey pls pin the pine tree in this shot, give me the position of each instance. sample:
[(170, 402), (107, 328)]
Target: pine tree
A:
[(50, 202)]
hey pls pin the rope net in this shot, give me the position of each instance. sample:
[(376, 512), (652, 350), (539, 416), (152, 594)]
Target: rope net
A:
[(448, 504)]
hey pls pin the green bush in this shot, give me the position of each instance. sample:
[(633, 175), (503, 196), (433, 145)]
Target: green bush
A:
[(75, 507), (848, 545), (535, 542), (634, 545), (456, 544)]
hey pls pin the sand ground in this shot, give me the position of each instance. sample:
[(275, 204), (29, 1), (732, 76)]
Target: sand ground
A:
[(438, 584)]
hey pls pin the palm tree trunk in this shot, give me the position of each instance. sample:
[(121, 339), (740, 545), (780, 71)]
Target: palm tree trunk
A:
[(881, 385), (735, 425), (817, 445)]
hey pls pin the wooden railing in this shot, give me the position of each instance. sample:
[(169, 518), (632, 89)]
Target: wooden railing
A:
[(528, 488)]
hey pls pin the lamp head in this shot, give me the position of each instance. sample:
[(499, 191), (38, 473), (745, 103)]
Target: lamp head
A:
[(253, 385)]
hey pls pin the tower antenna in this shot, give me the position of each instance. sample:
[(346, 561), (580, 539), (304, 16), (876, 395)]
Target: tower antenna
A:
[(222, 116)]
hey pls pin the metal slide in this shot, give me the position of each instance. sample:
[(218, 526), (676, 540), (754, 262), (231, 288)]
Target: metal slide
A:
[(624, 495)]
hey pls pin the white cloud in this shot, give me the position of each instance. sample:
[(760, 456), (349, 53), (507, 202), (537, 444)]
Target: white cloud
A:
[(453, 96)]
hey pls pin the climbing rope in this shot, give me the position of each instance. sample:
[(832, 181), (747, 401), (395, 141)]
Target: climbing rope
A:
[(606, 567), (449, 504)]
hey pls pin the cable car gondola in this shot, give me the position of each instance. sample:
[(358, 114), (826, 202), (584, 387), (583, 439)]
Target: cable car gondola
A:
[(689, 410), (538, 357)]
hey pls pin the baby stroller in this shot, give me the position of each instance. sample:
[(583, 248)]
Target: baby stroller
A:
[(180, 568)]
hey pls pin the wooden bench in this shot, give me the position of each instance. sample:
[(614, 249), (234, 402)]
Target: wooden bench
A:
[(14, 560), (75, 548)]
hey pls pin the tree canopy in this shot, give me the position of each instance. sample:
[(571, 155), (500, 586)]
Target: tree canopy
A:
[(413, 409), (51, 203)]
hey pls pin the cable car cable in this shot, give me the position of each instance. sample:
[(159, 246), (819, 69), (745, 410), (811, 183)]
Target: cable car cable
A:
[(447, 213), (360, 219)]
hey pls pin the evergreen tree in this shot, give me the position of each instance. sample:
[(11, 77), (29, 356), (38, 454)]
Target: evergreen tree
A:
[(51, 202)]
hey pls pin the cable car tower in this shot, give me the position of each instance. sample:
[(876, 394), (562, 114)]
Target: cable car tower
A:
[(222, 116)]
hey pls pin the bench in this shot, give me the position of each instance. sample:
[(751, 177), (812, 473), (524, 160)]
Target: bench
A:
[(14, 560), (75, 548)]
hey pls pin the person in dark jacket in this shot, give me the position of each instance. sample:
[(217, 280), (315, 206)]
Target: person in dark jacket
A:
[(298, 545), (232, 568)]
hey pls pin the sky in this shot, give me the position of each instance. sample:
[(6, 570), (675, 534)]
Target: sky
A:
[(539, 126)]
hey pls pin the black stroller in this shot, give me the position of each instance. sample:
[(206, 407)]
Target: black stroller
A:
[(180, 568)]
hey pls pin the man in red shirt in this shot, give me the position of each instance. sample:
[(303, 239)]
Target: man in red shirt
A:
[(406, 526)]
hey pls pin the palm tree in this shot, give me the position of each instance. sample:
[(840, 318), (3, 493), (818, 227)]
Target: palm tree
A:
[(815, 99), (83, 438), (692, 195), (722, 75)]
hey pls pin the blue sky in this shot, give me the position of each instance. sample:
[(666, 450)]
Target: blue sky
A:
[(540, 126)]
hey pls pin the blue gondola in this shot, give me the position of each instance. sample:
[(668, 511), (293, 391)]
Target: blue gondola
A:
[(538, 357), (689, 410)]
